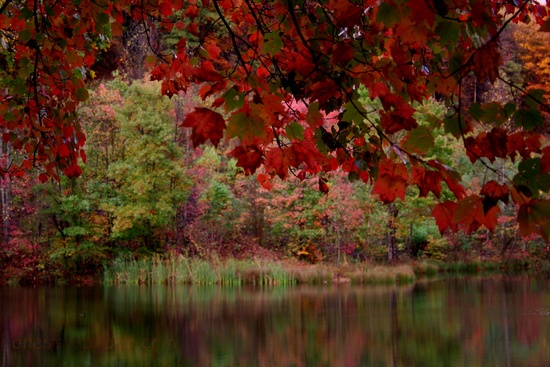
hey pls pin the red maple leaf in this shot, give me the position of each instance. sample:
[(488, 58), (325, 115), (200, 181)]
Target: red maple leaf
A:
[(389, 188), (427, 180), (392, 181), (206, 125), (250, 158), (496, 191), (523, 143), (486, 61), (443, 214), (276, 160), (490, 145)]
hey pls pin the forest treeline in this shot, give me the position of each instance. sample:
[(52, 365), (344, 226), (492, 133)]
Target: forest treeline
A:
[(144, 190)]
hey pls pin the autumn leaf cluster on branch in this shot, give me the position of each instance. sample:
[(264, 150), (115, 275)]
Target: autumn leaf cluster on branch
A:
[(283, 80)]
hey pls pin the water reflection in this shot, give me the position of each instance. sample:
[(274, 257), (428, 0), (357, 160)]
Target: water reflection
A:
[(481, 322)]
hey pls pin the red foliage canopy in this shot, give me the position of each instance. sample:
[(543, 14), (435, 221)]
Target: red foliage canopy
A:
[(277, 69)]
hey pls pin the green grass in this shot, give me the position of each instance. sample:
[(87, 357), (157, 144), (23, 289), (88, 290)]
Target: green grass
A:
[(183, 270), (400, 274)]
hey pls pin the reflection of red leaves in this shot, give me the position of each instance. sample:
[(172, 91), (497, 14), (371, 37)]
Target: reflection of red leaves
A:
[(206, 124)]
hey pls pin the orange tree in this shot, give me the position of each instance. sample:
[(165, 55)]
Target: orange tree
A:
[(284, 77)]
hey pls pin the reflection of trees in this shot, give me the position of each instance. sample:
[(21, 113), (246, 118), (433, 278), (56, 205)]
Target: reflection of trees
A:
[(446, 323)]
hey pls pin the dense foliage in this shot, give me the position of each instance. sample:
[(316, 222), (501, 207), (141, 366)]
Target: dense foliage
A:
[(435, 108)]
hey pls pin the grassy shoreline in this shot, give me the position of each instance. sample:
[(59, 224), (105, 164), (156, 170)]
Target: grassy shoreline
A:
[(232, 272)]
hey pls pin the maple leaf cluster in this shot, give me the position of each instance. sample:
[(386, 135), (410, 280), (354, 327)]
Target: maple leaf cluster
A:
[(285, 80)]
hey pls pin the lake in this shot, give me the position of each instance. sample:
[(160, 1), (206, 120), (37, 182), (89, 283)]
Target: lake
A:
[(452, 322)]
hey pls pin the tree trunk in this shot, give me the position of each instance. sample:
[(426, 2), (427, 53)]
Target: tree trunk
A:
[(392, 243), (5, 190)]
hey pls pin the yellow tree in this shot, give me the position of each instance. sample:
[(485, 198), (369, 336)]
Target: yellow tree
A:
[(534, 52)]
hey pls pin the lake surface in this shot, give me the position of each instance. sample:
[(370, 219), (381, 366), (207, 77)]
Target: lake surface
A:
[(459, 322)]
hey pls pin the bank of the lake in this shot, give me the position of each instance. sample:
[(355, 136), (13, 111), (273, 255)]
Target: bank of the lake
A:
[(216, 271)]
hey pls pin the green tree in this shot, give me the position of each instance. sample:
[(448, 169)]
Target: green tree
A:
[(149, 177)]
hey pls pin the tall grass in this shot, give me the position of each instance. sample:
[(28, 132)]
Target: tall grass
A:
[(183, 270), (400, 274), (178, 269)]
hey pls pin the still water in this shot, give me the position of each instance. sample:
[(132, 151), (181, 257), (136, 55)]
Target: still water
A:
[(459, 322)]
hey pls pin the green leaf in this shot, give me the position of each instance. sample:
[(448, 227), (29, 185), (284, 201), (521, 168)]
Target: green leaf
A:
[(27, 13), (353, 176), (243, 127), (233, 99), (529, 178), (456, 62), (490, 113), (420, 140), (387, 14), (353, 114), (272, 43), (528, 119), (49, 10), (534, 217), (530, 168), (294, 131), (25, 35), (453, 127), (102, 19), (535, 97), (81, 94), (510, 108), (449, 33)]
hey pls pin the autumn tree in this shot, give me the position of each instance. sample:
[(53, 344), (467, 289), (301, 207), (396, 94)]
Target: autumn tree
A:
[(285, 79)]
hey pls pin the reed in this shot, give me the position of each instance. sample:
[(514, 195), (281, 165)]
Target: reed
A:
[(229, 273), (159, 271), (201, 272), (400, 274), (425, 269), (273, 274), (178, 269)]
